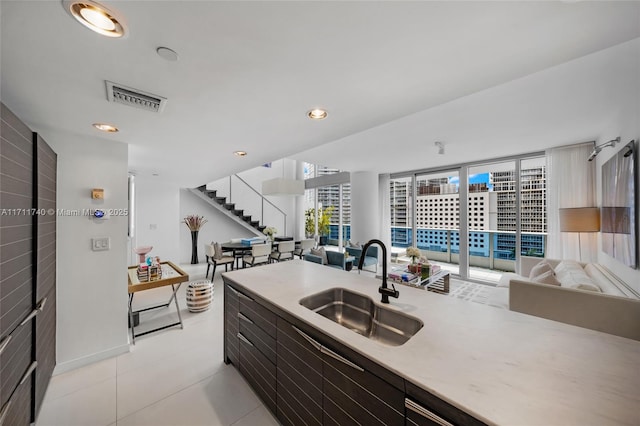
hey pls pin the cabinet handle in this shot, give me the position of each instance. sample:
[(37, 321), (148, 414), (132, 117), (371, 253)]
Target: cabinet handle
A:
[(32, 367), (244, 296), (340, 358), (244, 318), (4, 344), (233, 290), (309, 339), (418, 409), (326, 350), (4, 412), (35, 312), (244, 339)]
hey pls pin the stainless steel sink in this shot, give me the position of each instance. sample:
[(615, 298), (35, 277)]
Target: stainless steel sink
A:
[(362, 315)]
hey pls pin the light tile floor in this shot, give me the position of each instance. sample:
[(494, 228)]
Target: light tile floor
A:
[(170, 378), (173, 377)]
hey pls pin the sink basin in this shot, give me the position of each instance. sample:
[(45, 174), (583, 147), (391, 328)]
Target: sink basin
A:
[(362, 315)]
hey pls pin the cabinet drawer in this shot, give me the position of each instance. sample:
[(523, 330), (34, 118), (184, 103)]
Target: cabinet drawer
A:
[(299, 375), (424, 401), (258, 314), (353, 393), (14, 361), (259, 372), (260, 339), (231, 327)]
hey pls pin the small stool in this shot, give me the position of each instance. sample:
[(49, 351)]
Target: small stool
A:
[(199, 296)]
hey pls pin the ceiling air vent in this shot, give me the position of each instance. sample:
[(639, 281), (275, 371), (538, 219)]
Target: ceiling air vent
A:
[(134, 97)]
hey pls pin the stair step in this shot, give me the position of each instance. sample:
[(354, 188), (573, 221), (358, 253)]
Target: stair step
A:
[(254, 223), (221, 200), (261, 228), (246, 218), (210, 194), (238, 212), (229, 206), (202, 188)]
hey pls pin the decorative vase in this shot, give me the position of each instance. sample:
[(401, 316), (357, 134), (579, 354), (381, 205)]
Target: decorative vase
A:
[(194, 247), (425, 271)]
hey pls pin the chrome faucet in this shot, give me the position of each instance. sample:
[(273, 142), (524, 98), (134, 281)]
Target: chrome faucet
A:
[(384, 290)]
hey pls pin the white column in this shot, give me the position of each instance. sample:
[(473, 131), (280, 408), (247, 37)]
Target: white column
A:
[(299, 219), (365, 209), (385, 210)]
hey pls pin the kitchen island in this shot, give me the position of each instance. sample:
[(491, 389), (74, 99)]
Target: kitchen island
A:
[(494, 366)]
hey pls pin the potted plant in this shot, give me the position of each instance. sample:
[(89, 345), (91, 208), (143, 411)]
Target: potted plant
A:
[(324, 222), (414, 253), (270, 231)]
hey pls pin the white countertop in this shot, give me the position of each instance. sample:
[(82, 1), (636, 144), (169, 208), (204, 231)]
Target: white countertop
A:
[(502, 367)]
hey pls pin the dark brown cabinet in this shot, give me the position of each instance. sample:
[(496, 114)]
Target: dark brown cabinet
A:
[(250, 329), (425, 409), (28, 274), (299, 377), (231, 325), (307, 378)]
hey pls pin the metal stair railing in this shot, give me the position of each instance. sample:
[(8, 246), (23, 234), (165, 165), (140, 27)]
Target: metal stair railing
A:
[(262, 201)]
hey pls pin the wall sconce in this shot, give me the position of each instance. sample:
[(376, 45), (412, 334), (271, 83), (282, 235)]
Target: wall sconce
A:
[(598, 148)]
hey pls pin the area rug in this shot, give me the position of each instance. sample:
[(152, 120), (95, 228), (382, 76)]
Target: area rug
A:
[(472, 292)]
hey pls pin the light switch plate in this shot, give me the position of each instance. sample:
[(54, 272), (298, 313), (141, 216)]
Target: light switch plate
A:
[(100, 244)]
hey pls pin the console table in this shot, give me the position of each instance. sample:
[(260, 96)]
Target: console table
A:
[(171, 275)]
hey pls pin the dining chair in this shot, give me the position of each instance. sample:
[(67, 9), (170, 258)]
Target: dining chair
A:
[(283, 252), (304, 247), (215, 256), (259, 255)]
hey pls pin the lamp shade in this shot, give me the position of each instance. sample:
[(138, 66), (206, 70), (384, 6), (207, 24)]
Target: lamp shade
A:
[(281, 186), (581, 219)]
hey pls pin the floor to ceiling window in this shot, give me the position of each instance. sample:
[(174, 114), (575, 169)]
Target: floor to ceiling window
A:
[(505, 215), (437, 217)]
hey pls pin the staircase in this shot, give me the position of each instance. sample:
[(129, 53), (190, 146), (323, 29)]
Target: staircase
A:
[(230, 209)]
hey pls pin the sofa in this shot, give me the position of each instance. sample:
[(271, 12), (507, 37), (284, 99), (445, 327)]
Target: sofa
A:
[(334, 259), (370, 258), (582, 294)]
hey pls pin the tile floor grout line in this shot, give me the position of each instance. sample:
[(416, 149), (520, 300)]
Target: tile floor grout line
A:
[(165, 397)]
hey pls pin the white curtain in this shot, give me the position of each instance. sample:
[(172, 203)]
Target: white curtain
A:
[(571, 182)]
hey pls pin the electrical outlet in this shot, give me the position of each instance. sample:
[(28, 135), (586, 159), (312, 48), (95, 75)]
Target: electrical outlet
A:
[(100, 244)]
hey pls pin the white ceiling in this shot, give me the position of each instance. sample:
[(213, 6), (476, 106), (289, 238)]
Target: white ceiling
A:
[(249, 71)]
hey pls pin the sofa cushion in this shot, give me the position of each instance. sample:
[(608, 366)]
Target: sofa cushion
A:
[(602, 281), (321, 253), (548, 277), (572, 275), (540, 269)]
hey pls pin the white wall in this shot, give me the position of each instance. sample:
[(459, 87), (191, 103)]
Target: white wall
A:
[(624, 122), (91, 286), (157, 216), (218, 228)]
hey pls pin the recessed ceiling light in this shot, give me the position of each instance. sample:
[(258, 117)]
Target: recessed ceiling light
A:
[(317, 114), (104, 127), (96, 17), (240, 153)]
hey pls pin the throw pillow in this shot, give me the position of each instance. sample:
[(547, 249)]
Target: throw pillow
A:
[(320, 253), (352, 244), (539, 269), (546, 278)]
